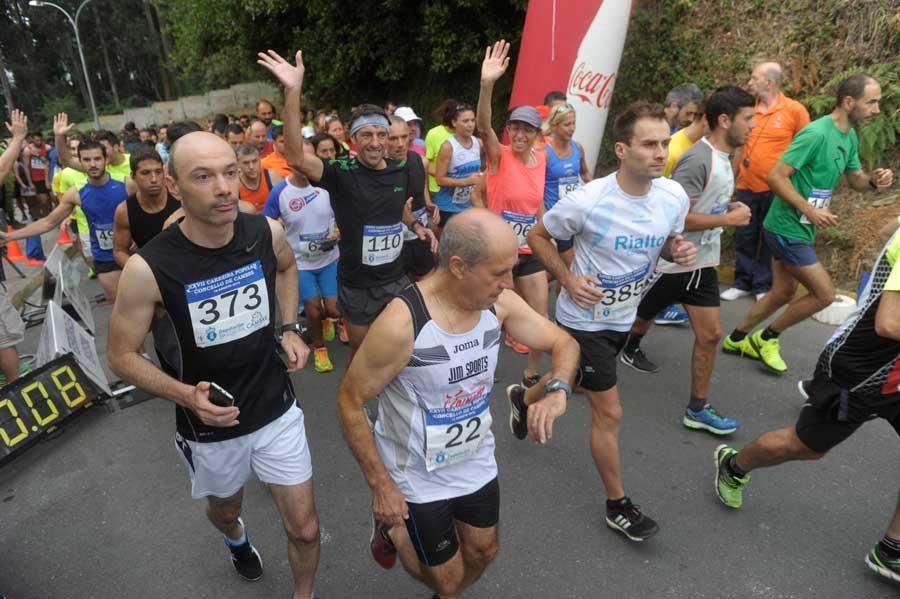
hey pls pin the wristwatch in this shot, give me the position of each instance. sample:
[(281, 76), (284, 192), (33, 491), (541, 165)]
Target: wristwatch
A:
[(291, 326), (558, 385), (412, 225)]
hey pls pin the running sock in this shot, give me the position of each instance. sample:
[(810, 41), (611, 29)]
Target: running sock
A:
[(633, 343), (890, 546), (696, 404), (768, 333), (733, 468), (617, 504), (737, 336), (239, 542)]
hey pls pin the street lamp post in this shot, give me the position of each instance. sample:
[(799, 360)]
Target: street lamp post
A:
[(74, 24)]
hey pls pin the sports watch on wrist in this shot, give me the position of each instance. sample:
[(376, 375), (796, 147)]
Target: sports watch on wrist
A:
[(291, 326), (558, 385)]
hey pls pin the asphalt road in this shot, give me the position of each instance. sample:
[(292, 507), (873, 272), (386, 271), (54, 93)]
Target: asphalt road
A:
[(104, 510)]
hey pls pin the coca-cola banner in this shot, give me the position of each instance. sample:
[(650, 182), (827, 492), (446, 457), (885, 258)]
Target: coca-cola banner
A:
[(573, 46)]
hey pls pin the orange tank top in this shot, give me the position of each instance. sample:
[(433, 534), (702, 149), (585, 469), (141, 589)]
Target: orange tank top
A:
[(516, 192), (257, 196)]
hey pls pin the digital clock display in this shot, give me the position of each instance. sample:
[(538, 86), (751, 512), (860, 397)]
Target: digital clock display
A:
[(41, 400)]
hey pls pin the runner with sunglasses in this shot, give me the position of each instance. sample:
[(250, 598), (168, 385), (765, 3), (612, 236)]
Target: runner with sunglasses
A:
[(567, 169)]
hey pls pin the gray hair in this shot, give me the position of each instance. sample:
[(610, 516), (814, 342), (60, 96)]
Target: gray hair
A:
[(465, 239), (774, 72), (246, 150), (684, 94)]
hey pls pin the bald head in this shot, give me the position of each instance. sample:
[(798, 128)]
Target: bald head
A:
[(474, 236), (772, 71), (198, 144)]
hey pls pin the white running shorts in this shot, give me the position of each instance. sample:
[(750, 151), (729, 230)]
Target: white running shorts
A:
[(277, 454)]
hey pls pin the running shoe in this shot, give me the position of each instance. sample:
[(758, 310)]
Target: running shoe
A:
[(769, 352), (672, 315), (804, 387), (344, 336), (245, 558), (383, 549), (530, 381), (322, 360), (708, 419), (740, 348), (328, 329), (733, 293), (518, 411), (879, 562), (519, 348), (729, 488), (638, 360), (629, 520)]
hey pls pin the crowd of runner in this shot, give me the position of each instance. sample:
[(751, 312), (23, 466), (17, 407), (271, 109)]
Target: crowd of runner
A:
[(424, 251)]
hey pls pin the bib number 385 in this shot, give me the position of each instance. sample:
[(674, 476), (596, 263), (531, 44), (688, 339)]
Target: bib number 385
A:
[(228, 307), (453, 435)]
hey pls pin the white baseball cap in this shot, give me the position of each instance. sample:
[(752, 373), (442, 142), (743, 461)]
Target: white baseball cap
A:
[(407, 114)]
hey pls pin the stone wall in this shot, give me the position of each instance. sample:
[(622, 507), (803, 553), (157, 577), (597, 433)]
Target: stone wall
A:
[(239, 98)]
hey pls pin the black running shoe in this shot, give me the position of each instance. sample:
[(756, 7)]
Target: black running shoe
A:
[(245, 559), (518, 411), (629, 520), (804, 388), (638, 360)]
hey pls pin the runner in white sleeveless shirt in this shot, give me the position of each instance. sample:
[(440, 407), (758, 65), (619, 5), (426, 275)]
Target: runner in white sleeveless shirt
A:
[(431, 356), (309, 228), (621, 225)]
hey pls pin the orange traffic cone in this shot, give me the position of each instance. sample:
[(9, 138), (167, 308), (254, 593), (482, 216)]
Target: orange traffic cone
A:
[(64, 237), (14, 252)]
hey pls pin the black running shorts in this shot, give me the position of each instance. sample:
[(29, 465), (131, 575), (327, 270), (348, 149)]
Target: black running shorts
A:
[(695, 288), (599, 349), (362, 306), (432, 526), (527, 265), (101, 267), (821, 426)]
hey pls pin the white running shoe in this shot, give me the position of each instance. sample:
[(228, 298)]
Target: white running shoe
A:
[(733, 293), (759, 296)]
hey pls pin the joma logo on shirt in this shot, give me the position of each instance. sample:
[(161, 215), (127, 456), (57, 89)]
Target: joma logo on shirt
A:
[(465, 346), (630, 242)]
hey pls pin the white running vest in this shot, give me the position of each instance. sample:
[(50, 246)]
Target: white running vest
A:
[(434, 421)]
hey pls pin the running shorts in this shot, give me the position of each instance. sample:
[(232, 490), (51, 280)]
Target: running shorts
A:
[(696, 288), (432, 525), (599, 349)]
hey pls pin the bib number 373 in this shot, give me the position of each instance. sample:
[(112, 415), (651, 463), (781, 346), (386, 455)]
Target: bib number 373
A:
[(228, 307), (454, 434)]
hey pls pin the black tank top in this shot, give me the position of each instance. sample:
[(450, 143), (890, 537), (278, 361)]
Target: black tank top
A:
[(221, 303), (145, 225)]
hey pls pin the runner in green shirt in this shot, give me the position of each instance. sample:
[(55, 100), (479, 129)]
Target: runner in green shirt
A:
[(803, 181)]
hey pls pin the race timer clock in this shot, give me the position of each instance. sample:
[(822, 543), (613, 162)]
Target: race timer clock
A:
[(41, 400)]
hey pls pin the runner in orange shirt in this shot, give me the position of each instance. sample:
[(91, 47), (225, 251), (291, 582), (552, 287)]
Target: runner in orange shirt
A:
[(276, 162), (778, 119), (256, 182)]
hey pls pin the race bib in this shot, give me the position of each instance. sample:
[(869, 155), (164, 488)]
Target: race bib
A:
[(228, 307), (621, 293), (462, 195), (104, 238), (36, 163), (382, 244), (710, 235), (454, 434), (421, 216), (818, 198), (567, 185), (521, 225), (310, 245)]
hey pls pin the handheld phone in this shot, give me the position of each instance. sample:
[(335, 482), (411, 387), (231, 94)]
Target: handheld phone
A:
[(328, 245), (220, 397)]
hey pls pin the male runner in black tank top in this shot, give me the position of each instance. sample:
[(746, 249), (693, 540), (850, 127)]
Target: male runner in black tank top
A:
[(141, 216), (217, 274)]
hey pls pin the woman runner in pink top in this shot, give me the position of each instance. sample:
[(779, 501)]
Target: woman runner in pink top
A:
[(515, 188)]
